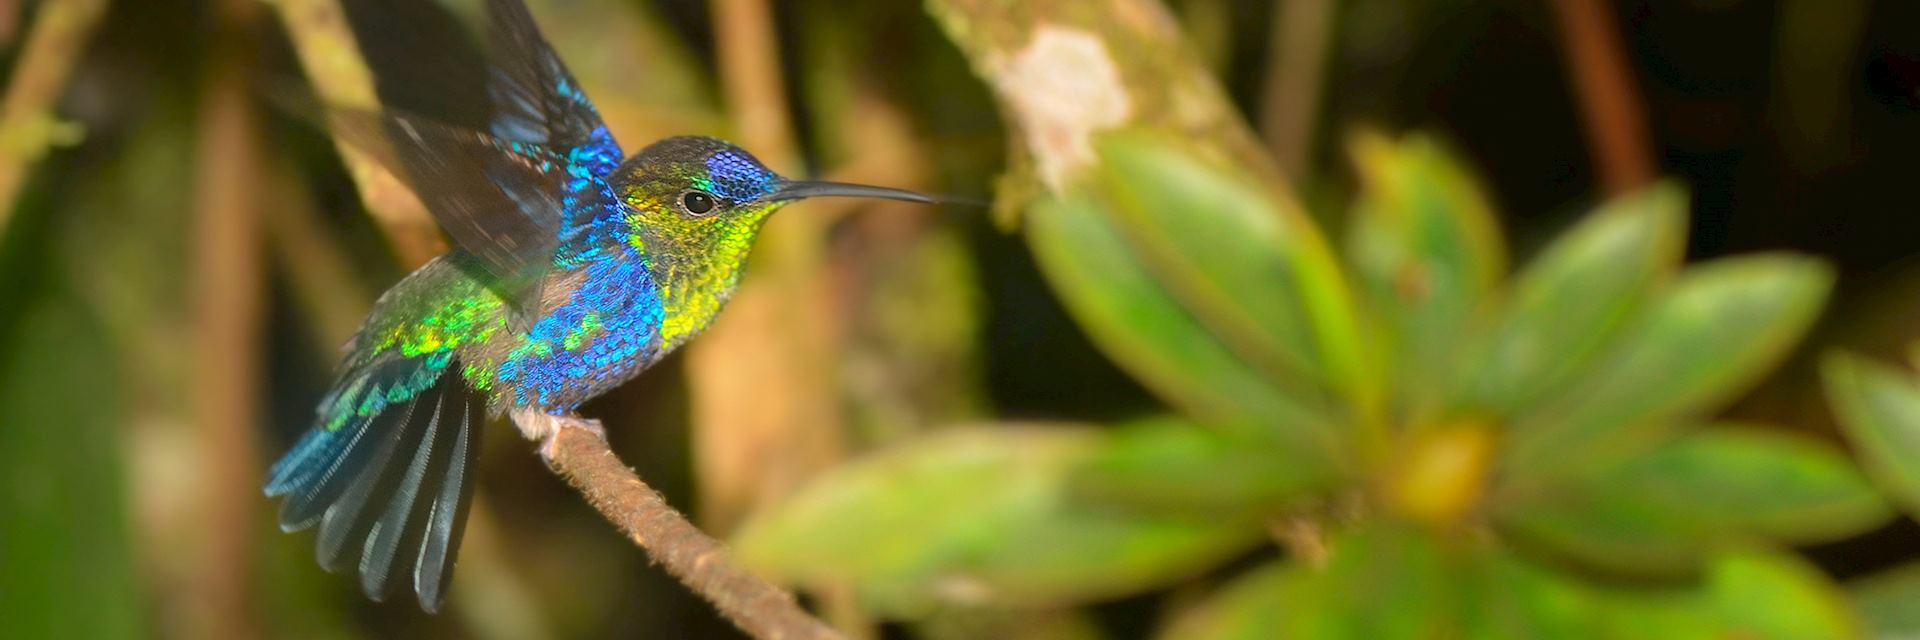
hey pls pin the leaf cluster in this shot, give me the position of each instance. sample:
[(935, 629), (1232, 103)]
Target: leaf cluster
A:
[(1441, 447)]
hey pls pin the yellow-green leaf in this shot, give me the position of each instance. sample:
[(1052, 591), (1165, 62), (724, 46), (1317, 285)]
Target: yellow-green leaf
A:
[(1661, 511), (1621, 532), (1427, 254), (1720, 328), (1764, 481), (1173, 465), (1775, 596), (1137, 322), (1257, 273), (977, 517), (1252, 607), (1574, 299), (1509, 598), (1879, 408), (1383, 582)]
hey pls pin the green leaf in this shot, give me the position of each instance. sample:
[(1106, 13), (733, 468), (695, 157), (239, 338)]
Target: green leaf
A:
[(1769, 482), (1886, 601), (1661, 510), (1619, 531), (1171, 465), (1510, 598), (1775, 596), (977, 517), (1721, 327), (1653, 612), (1426, 251), (1879, 408), (1149, 333), (1752, 595), (1252, 607), (1255, 272), (1575, 298), (1384, 582)]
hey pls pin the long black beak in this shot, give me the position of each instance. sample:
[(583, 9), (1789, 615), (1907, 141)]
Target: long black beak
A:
[(821, 189)]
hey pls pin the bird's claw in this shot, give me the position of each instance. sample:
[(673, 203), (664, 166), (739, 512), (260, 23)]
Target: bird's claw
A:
[(550, 444)]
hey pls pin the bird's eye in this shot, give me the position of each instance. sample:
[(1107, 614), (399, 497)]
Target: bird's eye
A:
[(697, 202)]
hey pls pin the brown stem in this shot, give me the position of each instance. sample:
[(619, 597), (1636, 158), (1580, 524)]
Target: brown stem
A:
[(748, 50), (228, 308), (27, 123), (702, 563), (1296, 73), (1616, 120)]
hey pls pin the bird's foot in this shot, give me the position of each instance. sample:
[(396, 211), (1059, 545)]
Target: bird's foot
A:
[(550, 447), (545, 428)]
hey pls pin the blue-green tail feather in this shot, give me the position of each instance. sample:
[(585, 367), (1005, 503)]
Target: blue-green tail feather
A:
[(387, 474)]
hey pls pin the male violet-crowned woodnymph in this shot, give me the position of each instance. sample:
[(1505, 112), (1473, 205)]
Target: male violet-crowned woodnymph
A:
[(573, 269)]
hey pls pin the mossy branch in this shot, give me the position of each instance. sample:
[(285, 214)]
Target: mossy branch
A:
[(1066, 70), (579, 454)]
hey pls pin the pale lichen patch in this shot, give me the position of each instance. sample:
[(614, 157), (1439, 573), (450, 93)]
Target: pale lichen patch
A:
[(1062, 87)]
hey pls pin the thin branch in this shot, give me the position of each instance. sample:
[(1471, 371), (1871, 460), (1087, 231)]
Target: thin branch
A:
[(28, 126), (1616, 119), (579, 454)]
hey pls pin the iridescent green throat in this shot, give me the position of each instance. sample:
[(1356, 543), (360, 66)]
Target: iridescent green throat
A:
[(697, 263)]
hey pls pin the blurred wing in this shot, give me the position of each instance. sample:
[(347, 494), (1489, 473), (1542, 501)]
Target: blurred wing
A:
[(505, 203), (499, 143), (536, 98)]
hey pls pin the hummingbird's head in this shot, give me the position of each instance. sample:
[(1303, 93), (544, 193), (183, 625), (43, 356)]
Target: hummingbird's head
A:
[(694, 205), (705, 184)]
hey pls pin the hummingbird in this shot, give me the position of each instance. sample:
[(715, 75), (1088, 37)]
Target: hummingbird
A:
[(573, 268)]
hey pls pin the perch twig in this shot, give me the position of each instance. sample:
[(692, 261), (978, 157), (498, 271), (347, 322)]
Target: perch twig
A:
[(579, 454)]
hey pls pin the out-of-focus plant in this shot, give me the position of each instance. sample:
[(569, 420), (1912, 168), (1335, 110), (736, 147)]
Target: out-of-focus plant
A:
[(1441, 449), (1878, 407)]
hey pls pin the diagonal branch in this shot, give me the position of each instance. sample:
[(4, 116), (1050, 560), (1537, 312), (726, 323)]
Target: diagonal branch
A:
[(28, 124), (579, 454)]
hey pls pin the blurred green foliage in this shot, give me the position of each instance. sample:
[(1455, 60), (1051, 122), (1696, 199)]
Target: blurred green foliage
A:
[(1879, 408), (1359, 420), (1441, 454)]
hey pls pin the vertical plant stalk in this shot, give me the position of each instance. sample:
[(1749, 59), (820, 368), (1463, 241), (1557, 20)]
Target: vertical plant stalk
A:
[(1296, 76), (702, 563), (28, 125), (331, 59), (747, 46), (1610, 101), (765, 401), (228, 304)]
